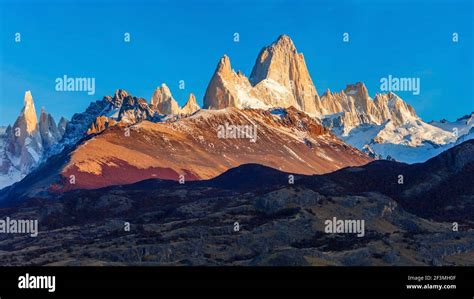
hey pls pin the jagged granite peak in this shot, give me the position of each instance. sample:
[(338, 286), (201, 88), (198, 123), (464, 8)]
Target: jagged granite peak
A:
[(121, 107), (29, 113), (226, 87), (62, 124), (118, 97), (279, 78), (280, 62), (49, 132), (163, 100), (23, 148), (25, 127), (280, 51), (134, 110), (191, 105), (387, 125), (362, 101), (358, 88), (79, 124), (400, 111), (224, 65), (357, 107)]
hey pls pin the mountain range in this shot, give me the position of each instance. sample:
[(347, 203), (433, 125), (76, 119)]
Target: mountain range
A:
[(299, 131), (249, 178)]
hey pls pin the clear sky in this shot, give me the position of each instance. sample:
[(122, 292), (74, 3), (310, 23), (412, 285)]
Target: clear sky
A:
[(183, 40)]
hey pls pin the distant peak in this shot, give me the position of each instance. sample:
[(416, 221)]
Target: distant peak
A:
[(466, 117), (28, 99), (285, 41), (120, 93), (29, 113), (358, 88), (163, 100), (224, 64), (165, 89), (191, 105), (191, 98)]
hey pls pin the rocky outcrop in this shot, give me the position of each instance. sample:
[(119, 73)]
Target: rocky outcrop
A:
[(134, 110), (100, 124)]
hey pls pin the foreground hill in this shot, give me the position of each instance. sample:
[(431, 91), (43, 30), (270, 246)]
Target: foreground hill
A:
[(251, 215)]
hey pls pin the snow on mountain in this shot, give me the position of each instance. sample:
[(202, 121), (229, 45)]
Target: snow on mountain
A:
[(353, 106), (460, 127), (125, 109), (387, 127), (411, 142), (384, 126)]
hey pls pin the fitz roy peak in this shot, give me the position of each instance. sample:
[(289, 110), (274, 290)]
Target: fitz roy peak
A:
[(279, 79)]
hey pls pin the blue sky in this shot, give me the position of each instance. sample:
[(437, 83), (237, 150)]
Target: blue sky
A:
[(183, 40)]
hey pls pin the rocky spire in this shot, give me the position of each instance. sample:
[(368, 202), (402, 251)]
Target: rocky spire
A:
[(223, 89), (118, 97), (163, 101), (62, 125), (29, 113), (48, 130), (191, 105), (24, 142), (362, 100), (278, 79), (281, 63)]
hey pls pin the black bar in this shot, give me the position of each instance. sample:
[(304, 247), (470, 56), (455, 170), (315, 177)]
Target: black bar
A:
[(241, 282)]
